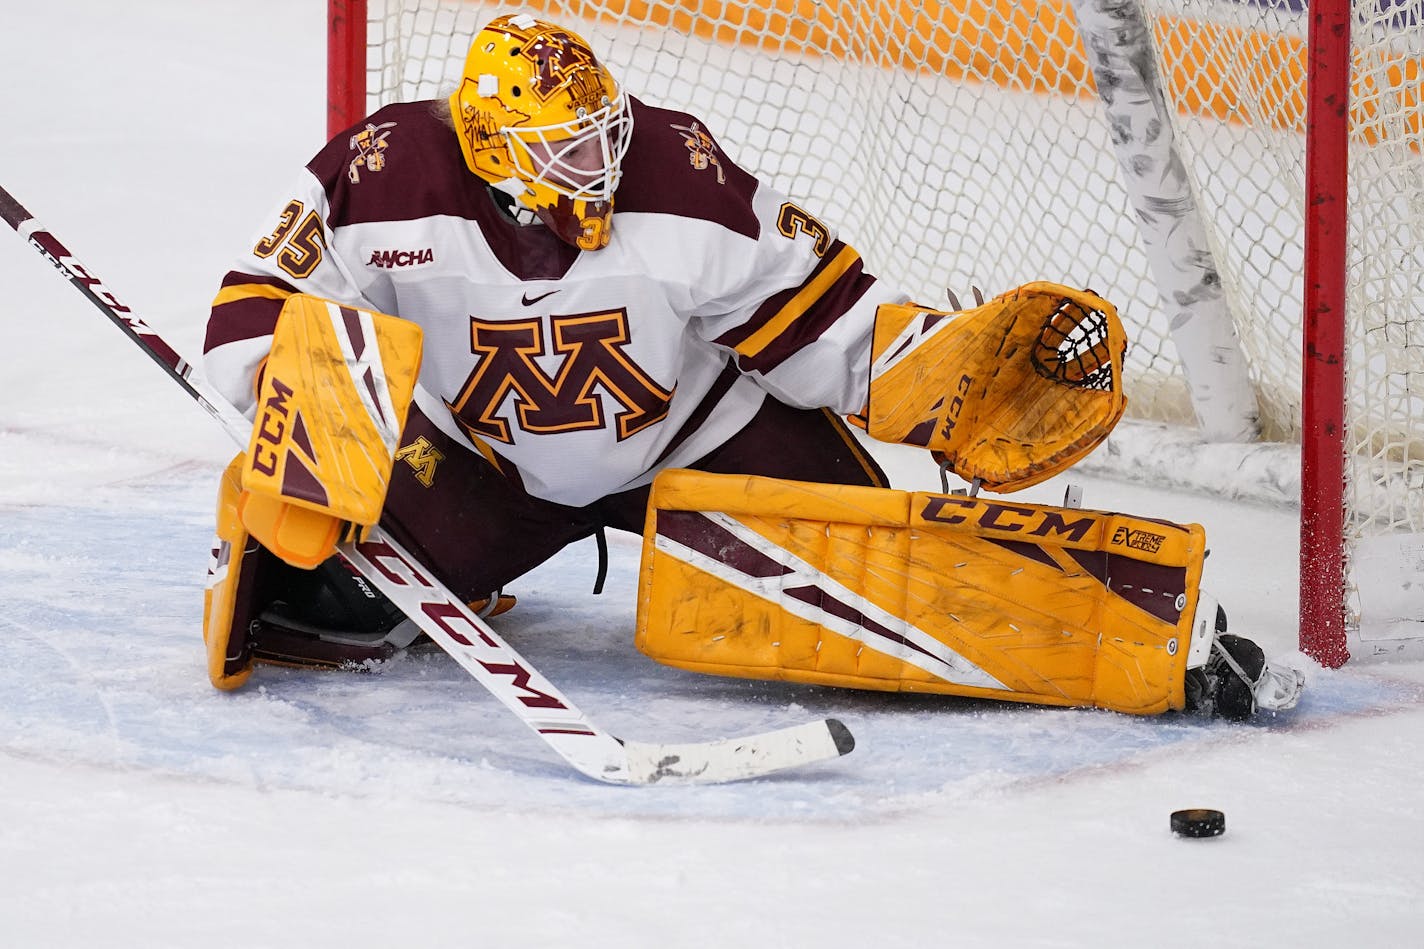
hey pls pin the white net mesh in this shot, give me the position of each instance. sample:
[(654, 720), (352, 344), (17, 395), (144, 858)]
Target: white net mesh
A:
[(958, 144)]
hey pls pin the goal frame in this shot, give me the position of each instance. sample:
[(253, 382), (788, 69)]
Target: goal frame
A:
[(1322, 609), (345, 64), (1323, 391)]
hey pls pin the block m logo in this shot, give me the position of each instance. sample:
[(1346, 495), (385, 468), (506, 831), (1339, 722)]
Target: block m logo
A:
[(591, 345)]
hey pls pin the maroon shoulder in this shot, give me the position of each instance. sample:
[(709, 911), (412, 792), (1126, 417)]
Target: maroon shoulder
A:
[(401, 163), (675, 166)]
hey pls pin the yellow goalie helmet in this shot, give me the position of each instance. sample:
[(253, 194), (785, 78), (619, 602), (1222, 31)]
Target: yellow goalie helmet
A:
[(541, 119)]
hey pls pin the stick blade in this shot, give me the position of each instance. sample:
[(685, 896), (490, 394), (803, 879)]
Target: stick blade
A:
[(737, 759)]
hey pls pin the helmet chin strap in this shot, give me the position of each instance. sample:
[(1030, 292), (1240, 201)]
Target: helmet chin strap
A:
[(506, 197)]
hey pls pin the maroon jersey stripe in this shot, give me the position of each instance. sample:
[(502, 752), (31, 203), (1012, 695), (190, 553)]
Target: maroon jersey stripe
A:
[(720, 387), (237, 278), (838, 298), (249, 318), (239, 314), (774, 304)]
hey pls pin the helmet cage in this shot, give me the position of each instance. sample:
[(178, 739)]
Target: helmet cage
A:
[(556, 157)]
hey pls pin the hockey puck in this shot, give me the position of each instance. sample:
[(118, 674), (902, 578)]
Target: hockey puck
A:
[(1198, 822)]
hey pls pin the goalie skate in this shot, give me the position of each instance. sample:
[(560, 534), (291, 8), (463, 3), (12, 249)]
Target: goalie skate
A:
[(329, 617), (1234, 680)]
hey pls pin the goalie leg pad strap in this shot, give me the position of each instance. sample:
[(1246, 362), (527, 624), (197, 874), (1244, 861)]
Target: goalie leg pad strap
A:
[(879, 589)]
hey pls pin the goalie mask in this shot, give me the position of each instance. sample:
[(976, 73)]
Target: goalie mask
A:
[(542, 120)]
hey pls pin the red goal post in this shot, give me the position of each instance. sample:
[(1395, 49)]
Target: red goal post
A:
[(1271, 288), (1322, 475), (345, 64)]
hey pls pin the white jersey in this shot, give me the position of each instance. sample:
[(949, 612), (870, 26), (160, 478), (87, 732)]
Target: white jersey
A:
[(580, 372)]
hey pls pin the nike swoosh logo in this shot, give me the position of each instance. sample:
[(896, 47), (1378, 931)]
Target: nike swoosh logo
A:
[(528, 302)]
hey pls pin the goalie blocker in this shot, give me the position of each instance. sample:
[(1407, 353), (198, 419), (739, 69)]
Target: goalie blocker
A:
[(910, 591), (332, 397)]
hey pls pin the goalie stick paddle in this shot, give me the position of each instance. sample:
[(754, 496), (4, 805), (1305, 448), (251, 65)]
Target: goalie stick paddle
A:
[(447, 620)]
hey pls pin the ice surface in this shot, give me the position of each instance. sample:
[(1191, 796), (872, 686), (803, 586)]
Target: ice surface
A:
[(143, 808)]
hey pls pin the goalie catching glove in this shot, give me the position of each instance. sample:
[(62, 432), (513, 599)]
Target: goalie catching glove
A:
[(1009, 393)]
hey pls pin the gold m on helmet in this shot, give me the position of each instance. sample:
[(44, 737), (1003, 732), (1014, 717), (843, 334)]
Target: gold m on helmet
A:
[(541, 119)]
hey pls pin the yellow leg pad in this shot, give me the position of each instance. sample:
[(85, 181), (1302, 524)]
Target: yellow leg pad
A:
[(228, 668), (911, 591)]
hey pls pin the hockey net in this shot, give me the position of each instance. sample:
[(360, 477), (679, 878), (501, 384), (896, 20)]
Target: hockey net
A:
[(965, 144)]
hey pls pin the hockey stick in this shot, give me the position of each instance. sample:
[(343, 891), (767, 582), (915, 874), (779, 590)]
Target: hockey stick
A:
[(454, 627)]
